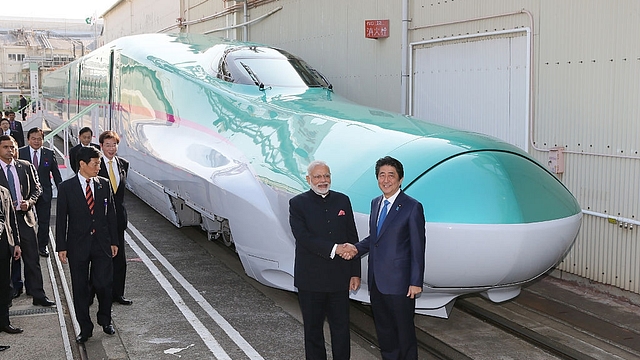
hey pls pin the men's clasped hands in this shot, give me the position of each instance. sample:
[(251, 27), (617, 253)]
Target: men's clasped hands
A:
[(346, 251)]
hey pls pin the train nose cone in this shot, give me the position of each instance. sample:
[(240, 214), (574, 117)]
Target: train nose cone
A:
[(492, 187), (494, 218)]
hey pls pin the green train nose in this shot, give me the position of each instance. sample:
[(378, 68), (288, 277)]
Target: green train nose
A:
[(491, 187)]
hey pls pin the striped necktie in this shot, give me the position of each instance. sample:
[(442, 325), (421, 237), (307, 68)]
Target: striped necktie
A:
[(89, 196)]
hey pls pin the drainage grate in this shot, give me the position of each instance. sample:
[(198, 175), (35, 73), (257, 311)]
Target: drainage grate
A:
[(36, 311)]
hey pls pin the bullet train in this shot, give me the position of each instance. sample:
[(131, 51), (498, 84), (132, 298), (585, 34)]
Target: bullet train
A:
[(219, 134)]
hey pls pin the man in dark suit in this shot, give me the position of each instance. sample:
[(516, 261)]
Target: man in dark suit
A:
[(23, 107), (84, 137), (9, 248), (5, 125), (396, 246), (86, 236), (16, 127), (321, 219), (115, 169), (44, 160), (19, 177)]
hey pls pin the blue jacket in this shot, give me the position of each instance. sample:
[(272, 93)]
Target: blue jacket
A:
[(396, 256)]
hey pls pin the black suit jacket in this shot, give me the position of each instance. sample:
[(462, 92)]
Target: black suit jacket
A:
[(47, 167), (72, 155), (16, 128), (318, 224), (123, 170), (18, 135), (74, 222), (29, 188)]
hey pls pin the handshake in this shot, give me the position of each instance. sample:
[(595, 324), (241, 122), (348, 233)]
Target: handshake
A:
[(346, 251)]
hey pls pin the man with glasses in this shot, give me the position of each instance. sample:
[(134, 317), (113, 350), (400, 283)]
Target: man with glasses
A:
[(321, 219)]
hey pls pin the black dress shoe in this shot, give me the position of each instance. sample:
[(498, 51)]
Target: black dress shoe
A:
[(43, 302), (122, 300), (44, 252), (81, 339), (17, 293), (4, 347), (108, 329), (10, 329)]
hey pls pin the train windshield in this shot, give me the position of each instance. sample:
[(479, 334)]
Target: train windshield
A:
[(253, 65)]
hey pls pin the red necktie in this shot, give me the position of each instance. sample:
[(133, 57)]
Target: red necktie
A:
[(89, 196)]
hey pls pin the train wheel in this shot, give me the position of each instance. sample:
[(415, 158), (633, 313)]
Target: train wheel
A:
[(227, 238)]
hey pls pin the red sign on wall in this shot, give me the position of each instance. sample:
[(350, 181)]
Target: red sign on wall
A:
[(374, 29)]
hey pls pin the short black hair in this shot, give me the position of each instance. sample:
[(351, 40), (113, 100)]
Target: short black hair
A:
[(87, 153), (34, 130), (388, 160), (84, 130), (109, 135), (5, 119)]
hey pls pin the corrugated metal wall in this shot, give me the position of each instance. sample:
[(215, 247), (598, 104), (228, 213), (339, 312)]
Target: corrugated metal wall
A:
[(477, 83), (585, 87), (329, 35), (586, 96)]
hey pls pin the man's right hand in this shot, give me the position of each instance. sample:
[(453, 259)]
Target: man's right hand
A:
[(347, 251), (62, 255)]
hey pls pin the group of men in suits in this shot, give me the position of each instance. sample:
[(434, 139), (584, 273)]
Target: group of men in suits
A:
[(25, 185), (9, 249), (19, 178), (326, 243), (15, 128), (5, 125), (44, 162)]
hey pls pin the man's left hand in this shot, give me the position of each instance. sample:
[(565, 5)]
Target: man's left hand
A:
[(354, 284), (413, 291)]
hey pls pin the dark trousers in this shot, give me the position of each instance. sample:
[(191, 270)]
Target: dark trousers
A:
[(315, 307), (43, 209), (5, 282), (395, 329), (119, 267), (100, 265), (16, 275), (31, 261)]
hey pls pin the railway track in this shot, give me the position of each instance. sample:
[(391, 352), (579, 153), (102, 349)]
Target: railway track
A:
[(531, 327)]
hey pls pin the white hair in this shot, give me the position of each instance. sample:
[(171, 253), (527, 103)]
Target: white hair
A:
[(314, 164)]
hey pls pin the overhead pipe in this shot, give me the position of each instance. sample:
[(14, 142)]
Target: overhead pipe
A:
[(245, 24), (404, 76)]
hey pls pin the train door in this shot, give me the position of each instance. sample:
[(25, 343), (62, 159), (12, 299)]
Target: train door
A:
[(115, 113), (74, 90)]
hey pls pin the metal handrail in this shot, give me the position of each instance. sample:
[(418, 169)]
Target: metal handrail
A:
[(68, 123)]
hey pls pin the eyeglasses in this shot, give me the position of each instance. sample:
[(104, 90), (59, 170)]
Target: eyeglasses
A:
[(325, 176)]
